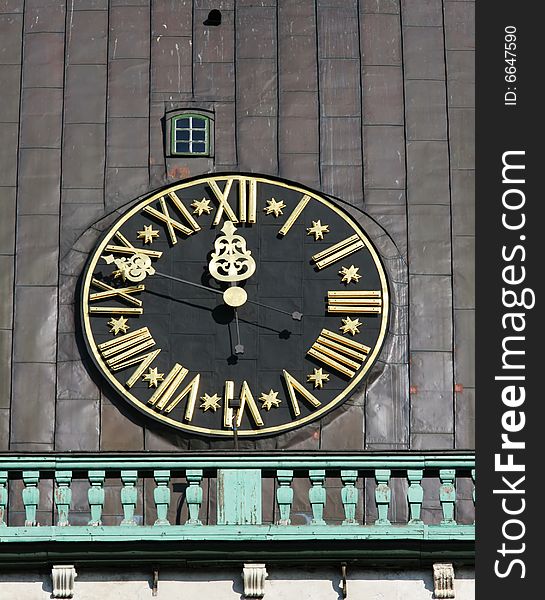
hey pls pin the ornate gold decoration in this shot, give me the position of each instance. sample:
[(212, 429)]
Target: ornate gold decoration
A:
[(201, 206), (148, 234), (318, 378), (269, 400), (274, 207), (350, 274), (318, 230), (118, 325), (153, 377), (231, 261), (136, 268), (350, 326), (210, 402)]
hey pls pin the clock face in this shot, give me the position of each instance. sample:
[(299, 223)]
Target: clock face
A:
[(234, 290)]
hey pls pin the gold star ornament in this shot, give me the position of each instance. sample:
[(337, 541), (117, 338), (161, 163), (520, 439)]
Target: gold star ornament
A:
[(201, 206), (351, 326), (118, 325), (318, 378), (317, 230), (210, 402), (153, 377), (274, 207), (148, 234), (350, 274), (269, 400)]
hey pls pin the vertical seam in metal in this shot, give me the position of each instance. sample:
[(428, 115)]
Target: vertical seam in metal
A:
[(407, 262), (453, 331), (358, 7), (59, 235), (277, 5), (318, 93), (235, 80), (16, 214)]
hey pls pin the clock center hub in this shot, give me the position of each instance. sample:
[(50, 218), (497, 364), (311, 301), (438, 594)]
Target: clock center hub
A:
[(235, 296)]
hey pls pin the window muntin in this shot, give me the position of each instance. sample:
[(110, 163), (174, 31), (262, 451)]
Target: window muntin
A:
[(190, 135)]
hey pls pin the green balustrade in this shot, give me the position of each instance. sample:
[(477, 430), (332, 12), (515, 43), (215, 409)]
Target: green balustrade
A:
[(317, 495), (194, 495), (349, 496), (447, 495), (383, 495), (161, 495), (129, 495), (3, 497), (31, 496), (240, 495), (63, 496), (95, 495), (473, 479), (415, 494), (284, 495)]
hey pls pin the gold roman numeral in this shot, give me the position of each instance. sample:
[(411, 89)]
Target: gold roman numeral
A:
[(367, 302), (295, 386), (110, 292), (246, 401), (127, 248), (294, 215), (247, 200), (338, 251), (172, 224), (115, 310), (339, 353), (163, 398), (125, 351)]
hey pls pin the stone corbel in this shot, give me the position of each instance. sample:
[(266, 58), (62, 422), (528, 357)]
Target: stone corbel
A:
[(63, 577), (443, 580), (254, 580)]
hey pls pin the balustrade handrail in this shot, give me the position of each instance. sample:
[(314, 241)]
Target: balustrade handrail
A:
[(148, 461)]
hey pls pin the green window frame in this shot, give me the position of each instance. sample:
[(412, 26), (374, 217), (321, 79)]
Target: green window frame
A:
[(190, 135)]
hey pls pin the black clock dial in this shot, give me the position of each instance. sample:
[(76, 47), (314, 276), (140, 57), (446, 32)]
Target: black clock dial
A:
[(233, 287)]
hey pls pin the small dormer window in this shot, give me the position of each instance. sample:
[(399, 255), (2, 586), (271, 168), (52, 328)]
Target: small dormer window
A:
[(190, 135)]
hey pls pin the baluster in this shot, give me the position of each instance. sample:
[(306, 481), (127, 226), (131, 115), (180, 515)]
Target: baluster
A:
[(63, 496), (447, 495), (284, 495), (31, 496), (349, 496), (161, 495), (415, 495), (473, 479), (317, 495), (383, 495), (128, 496), (95, 495), (193, 495), (3, 497)]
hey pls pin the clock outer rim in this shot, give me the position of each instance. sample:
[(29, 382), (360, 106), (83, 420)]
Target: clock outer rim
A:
[(135, 207)]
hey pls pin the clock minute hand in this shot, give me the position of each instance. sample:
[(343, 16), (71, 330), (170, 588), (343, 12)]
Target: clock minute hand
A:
[(294, 315)]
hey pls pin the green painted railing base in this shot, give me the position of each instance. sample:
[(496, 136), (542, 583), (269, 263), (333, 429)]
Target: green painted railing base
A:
[(226, 533), (189, 546)]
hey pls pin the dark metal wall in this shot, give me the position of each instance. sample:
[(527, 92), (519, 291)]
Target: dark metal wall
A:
[(364, 99)]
